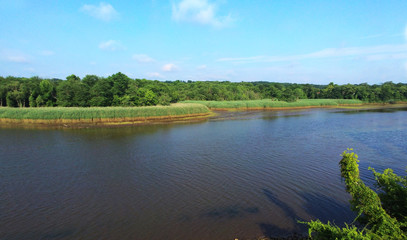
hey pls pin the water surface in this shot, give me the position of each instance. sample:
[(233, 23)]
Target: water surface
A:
[(238, 175)]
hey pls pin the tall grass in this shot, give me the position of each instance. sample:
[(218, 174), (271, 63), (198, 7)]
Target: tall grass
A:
[(77, 113), (268, 103)]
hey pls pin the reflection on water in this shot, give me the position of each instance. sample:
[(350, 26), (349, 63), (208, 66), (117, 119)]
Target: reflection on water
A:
[(239, 175)]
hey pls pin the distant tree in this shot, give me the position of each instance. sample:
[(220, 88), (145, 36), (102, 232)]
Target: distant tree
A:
[(39, 101), (164, 99), (90, 80), (3, 93), (387, 91), (101, 93), (299, 94), (149, 99), (72, 93), (47, 93), (120, 83)]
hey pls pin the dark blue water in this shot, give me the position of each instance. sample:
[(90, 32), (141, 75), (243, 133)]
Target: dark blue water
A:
[(238, 175)]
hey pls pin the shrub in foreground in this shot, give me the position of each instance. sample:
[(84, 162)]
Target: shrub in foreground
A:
[(380, 216)]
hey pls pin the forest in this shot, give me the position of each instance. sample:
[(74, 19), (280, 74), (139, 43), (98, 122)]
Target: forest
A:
[(120, 90)]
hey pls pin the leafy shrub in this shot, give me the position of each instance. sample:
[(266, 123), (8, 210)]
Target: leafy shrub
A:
[(380, 216)]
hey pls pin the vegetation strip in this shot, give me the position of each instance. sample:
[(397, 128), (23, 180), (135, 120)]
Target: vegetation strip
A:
[(101, 114), (274, 104)]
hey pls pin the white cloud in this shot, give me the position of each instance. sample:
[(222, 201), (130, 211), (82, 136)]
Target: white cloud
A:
[(111, 45), (200, 11), (170, 67), (326, 53), (155, 75), (14, 56), (30, 69), (142, 58), (104, 11), (201, 67), (17, 59), (379, 57), (47, 53), (373, 36)]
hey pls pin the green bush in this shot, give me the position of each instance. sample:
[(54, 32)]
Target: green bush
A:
[(380, 216)]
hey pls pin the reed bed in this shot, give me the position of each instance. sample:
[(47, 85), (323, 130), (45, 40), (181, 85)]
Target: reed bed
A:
[(91, 113), (269, 103)]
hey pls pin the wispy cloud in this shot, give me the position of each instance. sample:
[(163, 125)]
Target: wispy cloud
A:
[(373, 36), (326, 53), (14, 56), (200, 11), (380, 57), (103, 11), (30, 69), (17, 59), (155, 75), (170, 67), (47, 53), (111, 45), (201, 67), (142, 58)]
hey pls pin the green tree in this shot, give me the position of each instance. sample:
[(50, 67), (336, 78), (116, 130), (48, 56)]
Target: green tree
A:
[(299, 93), (39, 101), (47, 93), (72, 93), (164, 100), (150, 99), (381, 216), (120, 83), (90, 80), (101, 94), (32, 101), (387, 92)]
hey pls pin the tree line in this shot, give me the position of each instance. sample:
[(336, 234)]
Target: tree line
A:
[(120, 90)]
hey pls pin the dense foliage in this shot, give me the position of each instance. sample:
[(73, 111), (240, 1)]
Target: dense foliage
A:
[(120, 90), (380, 216)]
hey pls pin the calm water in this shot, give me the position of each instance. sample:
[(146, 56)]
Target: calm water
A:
[(240, 175)]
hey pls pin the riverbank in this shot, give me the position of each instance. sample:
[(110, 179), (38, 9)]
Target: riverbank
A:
[(102, 116), (270, 104), (187, 111)]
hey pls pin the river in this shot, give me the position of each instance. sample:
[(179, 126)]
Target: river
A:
[(238, 175)]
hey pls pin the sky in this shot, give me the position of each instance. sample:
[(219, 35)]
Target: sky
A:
[(318, 41)]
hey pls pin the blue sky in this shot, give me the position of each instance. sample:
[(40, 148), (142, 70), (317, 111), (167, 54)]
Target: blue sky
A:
[(258, 40)]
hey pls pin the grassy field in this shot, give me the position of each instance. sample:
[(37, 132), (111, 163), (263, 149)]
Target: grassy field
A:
[(95, 113), (268, 103)]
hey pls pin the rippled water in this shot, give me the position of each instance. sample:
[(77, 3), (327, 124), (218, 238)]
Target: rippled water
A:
[(238, 175)]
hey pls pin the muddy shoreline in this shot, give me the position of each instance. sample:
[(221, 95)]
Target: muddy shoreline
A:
[(199, 117), (341, 106), (101, 122)]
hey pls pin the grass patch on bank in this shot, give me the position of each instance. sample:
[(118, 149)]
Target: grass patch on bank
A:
[(78, 113), (269, 103)]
